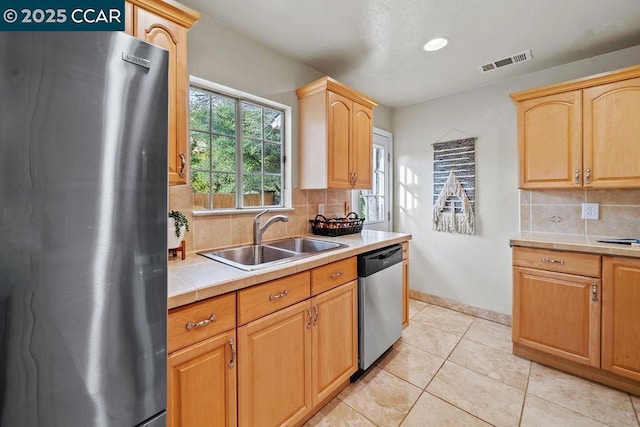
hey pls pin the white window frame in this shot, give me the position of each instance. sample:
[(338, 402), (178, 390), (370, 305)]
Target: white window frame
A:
[(244, 96)]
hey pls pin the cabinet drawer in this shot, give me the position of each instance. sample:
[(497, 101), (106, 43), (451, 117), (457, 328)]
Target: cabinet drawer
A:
[(201, 320), (563, 262), (269, 297), (334, 274)]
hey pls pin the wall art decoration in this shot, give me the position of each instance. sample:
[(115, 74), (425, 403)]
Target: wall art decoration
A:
[(454, 190)]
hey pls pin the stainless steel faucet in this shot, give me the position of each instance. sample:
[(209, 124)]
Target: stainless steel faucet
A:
[(258, 231)]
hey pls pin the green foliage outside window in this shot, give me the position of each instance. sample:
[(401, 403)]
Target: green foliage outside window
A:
[(219, 141)]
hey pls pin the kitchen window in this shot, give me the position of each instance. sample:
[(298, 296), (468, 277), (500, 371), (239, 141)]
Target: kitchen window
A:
[(238, 147)]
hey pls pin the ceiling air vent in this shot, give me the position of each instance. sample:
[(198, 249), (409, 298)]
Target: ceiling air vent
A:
[(518, 57)]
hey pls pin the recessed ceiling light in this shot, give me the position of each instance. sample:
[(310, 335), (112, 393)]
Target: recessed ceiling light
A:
[(436, 43)]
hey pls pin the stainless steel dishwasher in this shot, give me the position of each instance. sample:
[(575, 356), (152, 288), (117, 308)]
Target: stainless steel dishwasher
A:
[(379, 302)]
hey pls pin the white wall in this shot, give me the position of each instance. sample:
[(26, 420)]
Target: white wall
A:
[(474, 270)]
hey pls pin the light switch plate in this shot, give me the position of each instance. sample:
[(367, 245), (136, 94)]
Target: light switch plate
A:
[(590, 210)]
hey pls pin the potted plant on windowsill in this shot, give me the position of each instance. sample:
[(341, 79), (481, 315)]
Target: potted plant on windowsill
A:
[(177, 226)]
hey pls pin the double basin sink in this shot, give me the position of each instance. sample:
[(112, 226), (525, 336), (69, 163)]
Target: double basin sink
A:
[(254, 257)]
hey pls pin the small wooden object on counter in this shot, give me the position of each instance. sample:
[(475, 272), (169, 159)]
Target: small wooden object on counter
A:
[(182, 249)]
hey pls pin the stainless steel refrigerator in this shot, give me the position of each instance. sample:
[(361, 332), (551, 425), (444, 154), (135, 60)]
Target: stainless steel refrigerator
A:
[(83, 230)]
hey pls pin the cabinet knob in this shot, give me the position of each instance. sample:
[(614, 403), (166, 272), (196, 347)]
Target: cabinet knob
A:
[(587, 175), (577, 176), (594, 292)]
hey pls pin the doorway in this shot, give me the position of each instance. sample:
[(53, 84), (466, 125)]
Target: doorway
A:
[(375, 204)]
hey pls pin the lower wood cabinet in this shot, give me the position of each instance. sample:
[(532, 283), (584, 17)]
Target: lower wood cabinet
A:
[(202, 383), (557, 313), (579, 323), (201, 373), (296, 348), (291, 361), (334, 339), (621, 317), (274, 368)]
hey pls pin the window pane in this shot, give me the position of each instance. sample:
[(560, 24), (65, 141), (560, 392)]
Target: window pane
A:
[(252, 190), (200, 183), (272, 125), (378, 158), (224, 115), (272, 190), (200, 152), (272, 158), (216, 144), (252, 156), (199, 110), (378, 184), (224, 189), (224, 154), (251, 121)]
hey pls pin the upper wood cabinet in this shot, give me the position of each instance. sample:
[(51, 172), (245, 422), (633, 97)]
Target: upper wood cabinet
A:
[(582, 133), (165, 24), (336, 136)]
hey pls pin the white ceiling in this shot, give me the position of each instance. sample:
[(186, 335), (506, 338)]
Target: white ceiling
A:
[(376, 45)]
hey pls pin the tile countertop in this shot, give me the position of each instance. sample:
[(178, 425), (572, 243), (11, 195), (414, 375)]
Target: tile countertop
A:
[(568, 242), (197, 278)]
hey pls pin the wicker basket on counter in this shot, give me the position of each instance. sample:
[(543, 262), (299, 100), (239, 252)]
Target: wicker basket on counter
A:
[(337, 226)]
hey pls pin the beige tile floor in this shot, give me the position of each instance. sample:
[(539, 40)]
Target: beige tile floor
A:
[(451, 369)]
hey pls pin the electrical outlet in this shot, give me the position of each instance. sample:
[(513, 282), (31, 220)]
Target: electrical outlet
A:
[(590, 210)]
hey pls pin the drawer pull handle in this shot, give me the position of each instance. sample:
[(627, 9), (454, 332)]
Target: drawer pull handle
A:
[(190, 325), (282, 294), (233, 353), (309, 322), (594, 292), (553, 261), (317, 312), (336, 274)]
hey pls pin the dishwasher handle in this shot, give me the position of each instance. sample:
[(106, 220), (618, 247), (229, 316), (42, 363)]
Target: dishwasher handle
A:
[(372, 262)]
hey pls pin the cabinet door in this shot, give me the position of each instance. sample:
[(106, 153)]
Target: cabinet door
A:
[(274, 368), (612, 134), (550, 141), (362, 146), (202, 384), (557, 313), (173, 38), (339, 135), (334, 339), (621, 317)]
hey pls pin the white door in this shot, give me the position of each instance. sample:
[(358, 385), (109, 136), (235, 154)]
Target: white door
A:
[(375, 204)]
